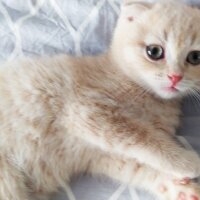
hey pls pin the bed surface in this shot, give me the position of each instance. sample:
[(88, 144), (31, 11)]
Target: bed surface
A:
[(30, 27)]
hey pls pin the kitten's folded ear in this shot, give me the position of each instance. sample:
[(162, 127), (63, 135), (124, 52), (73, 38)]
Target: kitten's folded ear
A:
[(132, 9)]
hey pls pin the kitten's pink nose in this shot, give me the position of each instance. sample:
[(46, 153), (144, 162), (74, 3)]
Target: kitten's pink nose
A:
[(175, 78)]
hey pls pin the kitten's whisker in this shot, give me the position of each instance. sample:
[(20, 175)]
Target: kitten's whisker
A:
[(194, 94), (198, 97), (184, 83), (197, 92)]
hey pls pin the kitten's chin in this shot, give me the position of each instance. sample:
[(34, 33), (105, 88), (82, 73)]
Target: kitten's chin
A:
[(168, 93)]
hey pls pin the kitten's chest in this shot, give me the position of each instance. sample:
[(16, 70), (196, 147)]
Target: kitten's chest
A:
[(162, 115), (133, 103)]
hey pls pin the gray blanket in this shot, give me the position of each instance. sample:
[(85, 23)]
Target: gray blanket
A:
[(30, 27)]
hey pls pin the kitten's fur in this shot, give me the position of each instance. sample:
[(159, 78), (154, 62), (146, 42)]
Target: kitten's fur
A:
[(104, 115)]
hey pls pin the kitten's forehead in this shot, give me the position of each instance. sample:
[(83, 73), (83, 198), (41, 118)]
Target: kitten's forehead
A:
[(176, 22)]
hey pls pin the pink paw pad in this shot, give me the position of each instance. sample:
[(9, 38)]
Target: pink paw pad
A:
[(162, 188), (184, 181), (182, 196), (130, 19), (193, 197)]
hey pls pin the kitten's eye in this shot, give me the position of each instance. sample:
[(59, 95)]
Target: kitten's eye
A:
[(194, 57), (155, 52)]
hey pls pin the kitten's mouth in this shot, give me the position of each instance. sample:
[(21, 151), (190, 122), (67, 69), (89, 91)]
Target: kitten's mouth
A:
[(169, 92), (171, 89)]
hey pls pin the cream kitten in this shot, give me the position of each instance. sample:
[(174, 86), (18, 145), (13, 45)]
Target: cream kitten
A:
[(115, 114)]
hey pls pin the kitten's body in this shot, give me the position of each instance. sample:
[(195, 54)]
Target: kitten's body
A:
[(61, 116)]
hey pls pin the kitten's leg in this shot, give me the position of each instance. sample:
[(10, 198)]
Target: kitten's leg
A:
[(12, 185), (135, 139), (145, 177)]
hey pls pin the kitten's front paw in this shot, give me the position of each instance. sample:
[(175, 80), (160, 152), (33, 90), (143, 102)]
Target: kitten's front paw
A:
[(171, 191), (187, 165)]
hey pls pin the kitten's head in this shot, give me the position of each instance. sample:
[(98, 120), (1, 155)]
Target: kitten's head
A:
[(158, 45)]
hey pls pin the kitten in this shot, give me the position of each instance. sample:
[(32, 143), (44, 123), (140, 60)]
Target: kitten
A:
[(115, 114)]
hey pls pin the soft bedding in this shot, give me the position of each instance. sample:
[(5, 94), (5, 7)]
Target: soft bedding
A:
[(30, 27)]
